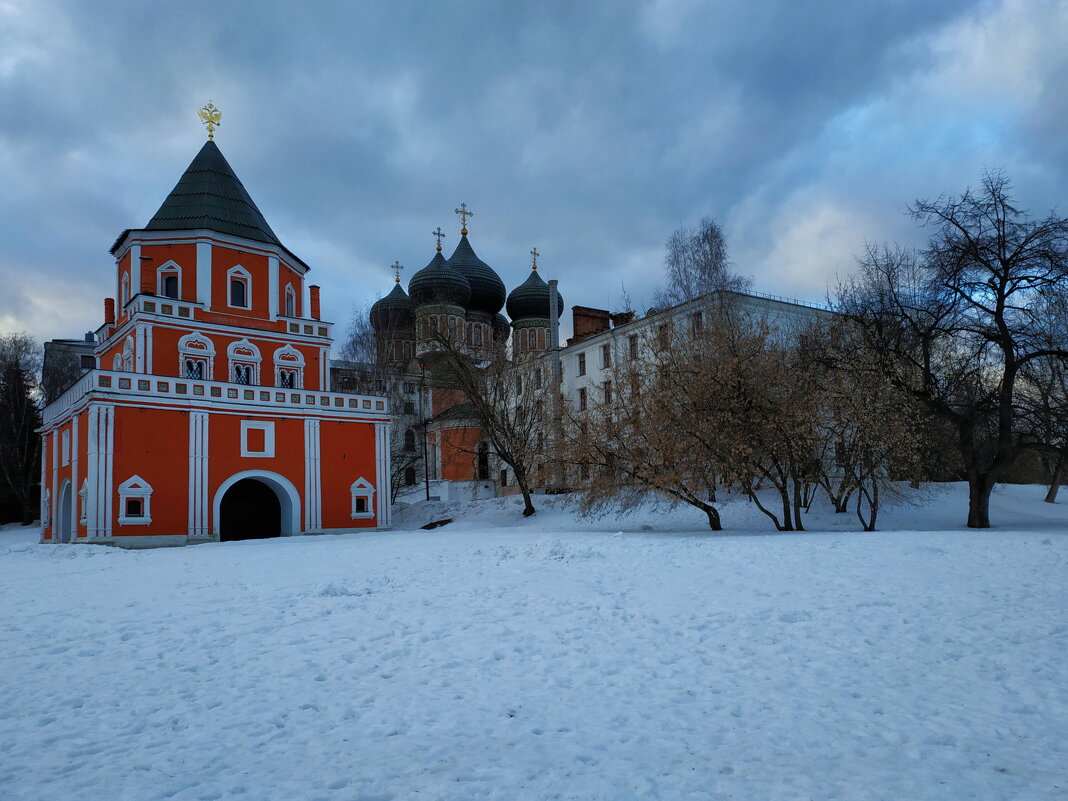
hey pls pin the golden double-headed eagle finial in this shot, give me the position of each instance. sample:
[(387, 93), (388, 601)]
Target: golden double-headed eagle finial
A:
[(211, 117)]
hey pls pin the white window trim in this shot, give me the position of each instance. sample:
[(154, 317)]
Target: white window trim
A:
[(251, 359), (162, 272), (135, 487), (267, 427), (289, 358), (124, 291), (237, 271), (203, 354), (128, 354), (362, 488), (83, 499), (290, 304)]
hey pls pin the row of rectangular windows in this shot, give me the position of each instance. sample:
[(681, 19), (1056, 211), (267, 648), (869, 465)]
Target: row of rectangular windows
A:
[(663, 333)]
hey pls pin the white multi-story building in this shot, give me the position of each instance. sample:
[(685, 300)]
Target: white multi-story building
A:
[(603, 341)]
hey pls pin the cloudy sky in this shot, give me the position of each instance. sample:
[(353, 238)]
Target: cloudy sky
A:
[(588, 129)]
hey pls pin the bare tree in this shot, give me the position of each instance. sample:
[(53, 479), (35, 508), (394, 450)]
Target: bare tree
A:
[(956, 324), (20, 418), (696, 264), (365, 367), (868, 428), (653, 433), (504, 399), (1044, 393)]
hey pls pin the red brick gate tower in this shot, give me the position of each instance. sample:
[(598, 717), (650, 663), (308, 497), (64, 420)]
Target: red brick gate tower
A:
[(208, 417)]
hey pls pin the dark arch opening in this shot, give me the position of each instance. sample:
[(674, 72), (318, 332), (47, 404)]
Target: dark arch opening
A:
[(249, 511)]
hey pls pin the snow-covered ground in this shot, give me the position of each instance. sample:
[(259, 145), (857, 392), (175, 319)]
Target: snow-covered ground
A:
[(547, 658)]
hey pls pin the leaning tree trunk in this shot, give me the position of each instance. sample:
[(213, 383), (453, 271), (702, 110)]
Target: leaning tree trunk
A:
[(528, 505), (1058, 476), (713, 517)]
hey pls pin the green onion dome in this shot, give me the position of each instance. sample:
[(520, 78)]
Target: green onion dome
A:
[(487, 288), (439, 283), (393, 312), (530, 300)]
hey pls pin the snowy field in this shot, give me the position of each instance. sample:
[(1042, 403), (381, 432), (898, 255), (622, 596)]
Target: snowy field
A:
[(550, 658)]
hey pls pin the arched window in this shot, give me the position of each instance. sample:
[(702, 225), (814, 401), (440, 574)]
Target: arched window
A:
[(128, 354), (288, 368), (169, 280), (239, 281), (196, 357), (291, 301), (238, 293), (124, 295), (244, 359), (409, 440)]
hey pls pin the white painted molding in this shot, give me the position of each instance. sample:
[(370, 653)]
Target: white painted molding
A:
[(267, 427)]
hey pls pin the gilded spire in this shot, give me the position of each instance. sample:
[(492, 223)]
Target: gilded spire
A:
[(212, 119), (464, 214), (438, 234), (534, 257), (396, 267)]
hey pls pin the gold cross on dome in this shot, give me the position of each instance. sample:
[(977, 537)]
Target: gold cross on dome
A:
[(396, 267), (464, 214), (211, 117), (439, 235), (534, 256)]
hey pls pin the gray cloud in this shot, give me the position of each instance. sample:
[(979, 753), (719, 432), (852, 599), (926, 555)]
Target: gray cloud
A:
[(591, 130)]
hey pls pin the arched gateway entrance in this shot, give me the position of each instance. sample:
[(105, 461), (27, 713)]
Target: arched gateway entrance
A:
[(254, 505), (249, 511)]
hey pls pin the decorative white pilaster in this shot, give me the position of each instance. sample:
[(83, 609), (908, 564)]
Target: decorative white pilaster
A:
[(383, 479), (74, 486), (139, 351), (44, 481), (53, 517), (204, 274), (135, 271), (198, 475), (105, 488), (313, 493), (272, 286), (148, 348), (92, 474)]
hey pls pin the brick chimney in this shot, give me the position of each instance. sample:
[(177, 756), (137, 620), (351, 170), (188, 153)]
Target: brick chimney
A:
[(586, 322), (314, 295), (109, 311)]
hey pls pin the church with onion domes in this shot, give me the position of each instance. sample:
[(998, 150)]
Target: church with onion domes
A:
[(459, 299)]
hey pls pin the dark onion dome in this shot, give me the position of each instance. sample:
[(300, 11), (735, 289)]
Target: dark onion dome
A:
[(501, 328), (393, 312), (487, 288), (530, 300), (439, 283)]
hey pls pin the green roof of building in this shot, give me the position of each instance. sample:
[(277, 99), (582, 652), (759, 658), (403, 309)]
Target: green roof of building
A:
[(210, 195)]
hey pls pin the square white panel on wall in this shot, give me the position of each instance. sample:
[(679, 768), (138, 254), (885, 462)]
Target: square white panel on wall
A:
[(257, 438)]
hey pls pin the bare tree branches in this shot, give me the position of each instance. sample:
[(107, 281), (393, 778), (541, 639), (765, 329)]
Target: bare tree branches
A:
[(696, 264), (955, 325)]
